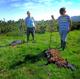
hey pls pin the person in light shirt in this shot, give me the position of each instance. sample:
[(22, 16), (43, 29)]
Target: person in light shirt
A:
[(30, 24)]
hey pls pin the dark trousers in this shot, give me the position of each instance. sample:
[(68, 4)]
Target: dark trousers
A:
[(30, 31)]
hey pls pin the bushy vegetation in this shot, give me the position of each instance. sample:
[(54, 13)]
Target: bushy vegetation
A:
[(7, 26), (75, 25), (41, 26)]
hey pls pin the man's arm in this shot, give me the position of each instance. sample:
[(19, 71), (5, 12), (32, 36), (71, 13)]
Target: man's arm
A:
[(51, 24), (34, 24), (70, 22), (54, 21)]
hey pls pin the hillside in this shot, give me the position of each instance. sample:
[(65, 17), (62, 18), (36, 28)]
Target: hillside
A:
[(75, 18)]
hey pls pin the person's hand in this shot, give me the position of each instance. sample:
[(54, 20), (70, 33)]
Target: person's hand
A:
[(69, 30), (52, 17)]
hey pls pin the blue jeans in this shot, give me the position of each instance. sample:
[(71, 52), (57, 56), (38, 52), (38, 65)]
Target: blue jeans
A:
[(63, 34)]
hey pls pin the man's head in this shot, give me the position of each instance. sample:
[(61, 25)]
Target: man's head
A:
[(62, 11), (28, 13)]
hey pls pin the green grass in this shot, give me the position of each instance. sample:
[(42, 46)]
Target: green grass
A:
[(28, 70)]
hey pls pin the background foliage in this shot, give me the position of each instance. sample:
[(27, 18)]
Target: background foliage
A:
[(41, 26)]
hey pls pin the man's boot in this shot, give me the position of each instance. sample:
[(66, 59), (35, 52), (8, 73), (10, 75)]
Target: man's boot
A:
[(61, 43), (64, 45)]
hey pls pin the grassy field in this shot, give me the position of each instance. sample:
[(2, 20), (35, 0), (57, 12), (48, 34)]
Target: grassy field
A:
[(11, 68)]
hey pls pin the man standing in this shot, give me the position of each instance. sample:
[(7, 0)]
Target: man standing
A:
[(30, 23), (64, 23)]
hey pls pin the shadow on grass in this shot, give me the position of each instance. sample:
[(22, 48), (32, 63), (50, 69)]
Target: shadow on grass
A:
[(4, 46), (29, 59)]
